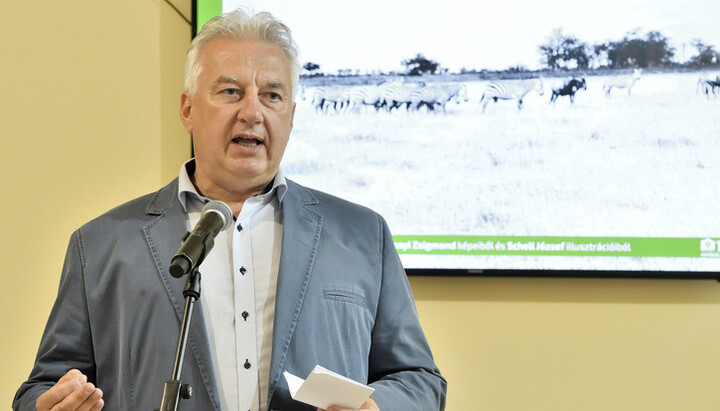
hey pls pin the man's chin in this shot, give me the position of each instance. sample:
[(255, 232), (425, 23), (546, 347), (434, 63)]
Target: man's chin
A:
[(250, 172), (253, 176)]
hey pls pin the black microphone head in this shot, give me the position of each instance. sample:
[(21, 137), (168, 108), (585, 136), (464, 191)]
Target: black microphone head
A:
[(222, 209), (180, 265)]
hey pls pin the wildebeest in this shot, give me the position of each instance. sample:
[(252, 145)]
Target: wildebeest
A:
[(708, 85), (569, 89)]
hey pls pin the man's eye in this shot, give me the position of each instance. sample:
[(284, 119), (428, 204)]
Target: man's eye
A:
[(230, 92), (274, 96)]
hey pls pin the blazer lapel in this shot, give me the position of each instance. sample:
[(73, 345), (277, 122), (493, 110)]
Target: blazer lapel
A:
[(302, 226), (163, 236)]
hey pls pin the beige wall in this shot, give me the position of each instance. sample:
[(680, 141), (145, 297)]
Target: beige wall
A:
[(89, 98), (88, 101), (574, 344)]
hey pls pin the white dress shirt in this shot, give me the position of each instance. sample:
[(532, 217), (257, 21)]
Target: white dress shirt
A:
[(239, 278)]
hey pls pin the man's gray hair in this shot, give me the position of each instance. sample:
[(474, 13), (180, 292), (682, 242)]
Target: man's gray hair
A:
[(242, 24)]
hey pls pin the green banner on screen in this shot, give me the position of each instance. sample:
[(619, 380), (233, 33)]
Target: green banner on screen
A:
[(559, 246)]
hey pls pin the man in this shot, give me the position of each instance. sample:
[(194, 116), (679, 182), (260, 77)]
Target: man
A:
[(301, 278)]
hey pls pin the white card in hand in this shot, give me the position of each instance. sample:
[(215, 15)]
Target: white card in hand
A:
[(324, 388)]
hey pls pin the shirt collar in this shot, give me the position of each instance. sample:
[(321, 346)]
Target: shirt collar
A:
[(188, 193)]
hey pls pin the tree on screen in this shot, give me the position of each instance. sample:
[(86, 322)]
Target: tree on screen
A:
[(565, 52), (310, 67), (420, 65), (634, 51), (707, 56)]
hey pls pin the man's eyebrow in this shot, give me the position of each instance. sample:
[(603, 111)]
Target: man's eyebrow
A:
[(275, 84), (226, 79)]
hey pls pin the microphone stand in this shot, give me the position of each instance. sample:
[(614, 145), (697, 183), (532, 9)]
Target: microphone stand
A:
[(174, 389)]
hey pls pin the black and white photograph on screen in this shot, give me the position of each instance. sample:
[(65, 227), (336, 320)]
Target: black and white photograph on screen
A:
[(515, 119)]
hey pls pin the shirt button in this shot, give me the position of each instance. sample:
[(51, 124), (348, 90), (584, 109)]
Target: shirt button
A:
[(243, 270), (239, 227), (247, 364), (245, 315)]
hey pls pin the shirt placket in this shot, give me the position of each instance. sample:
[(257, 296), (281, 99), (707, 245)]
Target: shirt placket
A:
[(244, 301)]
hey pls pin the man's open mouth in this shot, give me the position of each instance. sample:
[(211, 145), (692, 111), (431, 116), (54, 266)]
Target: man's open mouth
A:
[(247, 142)]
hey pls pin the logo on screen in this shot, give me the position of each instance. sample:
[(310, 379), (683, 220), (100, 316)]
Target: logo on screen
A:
[(707, 245)]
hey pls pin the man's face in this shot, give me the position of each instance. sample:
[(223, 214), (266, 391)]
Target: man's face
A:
[(240, 115)]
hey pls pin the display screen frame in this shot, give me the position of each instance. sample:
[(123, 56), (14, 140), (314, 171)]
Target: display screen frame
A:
[(203, 10)]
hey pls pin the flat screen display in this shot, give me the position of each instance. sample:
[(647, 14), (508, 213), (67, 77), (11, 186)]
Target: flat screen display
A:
[(516, 137)]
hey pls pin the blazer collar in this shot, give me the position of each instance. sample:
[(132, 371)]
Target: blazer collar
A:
[(163, 235)]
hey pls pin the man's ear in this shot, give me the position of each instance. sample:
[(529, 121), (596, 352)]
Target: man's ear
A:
[(186, 111)]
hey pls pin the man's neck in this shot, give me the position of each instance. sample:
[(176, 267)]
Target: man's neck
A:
[(234, 198)]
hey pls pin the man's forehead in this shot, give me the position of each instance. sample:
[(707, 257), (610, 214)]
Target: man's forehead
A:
[(244, 51), (223, 56)]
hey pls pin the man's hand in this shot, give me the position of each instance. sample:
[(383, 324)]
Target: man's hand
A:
[(368, 405), (71, 392)]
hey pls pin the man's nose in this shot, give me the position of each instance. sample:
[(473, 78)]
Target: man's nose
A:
[(249, 111)]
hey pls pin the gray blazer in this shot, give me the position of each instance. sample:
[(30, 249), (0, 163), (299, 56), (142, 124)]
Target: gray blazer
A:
[(343, 301)]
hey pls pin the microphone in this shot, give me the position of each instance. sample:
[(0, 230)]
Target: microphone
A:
[(215, 216)]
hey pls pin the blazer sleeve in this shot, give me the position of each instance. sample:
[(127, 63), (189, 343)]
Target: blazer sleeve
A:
[(401, 366), (66, 341)]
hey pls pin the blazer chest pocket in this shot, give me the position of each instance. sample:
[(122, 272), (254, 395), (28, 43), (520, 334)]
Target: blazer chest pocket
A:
[(344, 295)]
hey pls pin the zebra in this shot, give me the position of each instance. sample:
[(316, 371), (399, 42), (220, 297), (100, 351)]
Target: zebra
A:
[(317, 99), (396, 95), (438, 95), (626, 81), (569, 89), (323, 98), (364, 96), (507, 90)]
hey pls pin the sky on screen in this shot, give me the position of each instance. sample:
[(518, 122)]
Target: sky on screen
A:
[(378, 34)]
